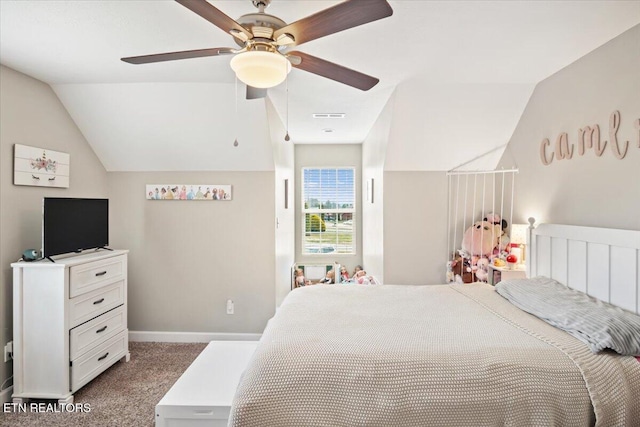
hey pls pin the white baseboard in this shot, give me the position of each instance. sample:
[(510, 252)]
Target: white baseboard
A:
[(5, 395), (158, 336)]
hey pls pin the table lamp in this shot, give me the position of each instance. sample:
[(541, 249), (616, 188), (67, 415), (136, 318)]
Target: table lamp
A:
[(519, 239)]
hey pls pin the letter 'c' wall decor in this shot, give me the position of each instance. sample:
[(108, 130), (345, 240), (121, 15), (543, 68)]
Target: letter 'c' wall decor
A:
[(588, 138)]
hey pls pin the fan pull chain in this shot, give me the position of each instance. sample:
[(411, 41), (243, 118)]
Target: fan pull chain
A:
[(287, 138), (235, 94)]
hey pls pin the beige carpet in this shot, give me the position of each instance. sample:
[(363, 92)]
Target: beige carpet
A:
[(125, 394)]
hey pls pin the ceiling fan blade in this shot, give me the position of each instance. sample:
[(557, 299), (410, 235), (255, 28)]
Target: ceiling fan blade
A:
[(183, 54), (255, 92), (342, 16), (214, 15), (332, 71)]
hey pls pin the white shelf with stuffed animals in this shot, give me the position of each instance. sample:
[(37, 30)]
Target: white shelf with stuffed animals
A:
[(484, 247), (487, 253), (484, 250), (328, 274)]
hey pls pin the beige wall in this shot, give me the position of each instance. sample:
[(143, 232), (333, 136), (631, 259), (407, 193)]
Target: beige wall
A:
[(585, 190), (374, 149), (283, 156), (312, 155), (31, 114), (415, 218), (188, 258)]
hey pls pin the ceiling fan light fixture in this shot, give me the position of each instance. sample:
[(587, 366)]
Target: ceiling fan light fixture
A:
[(260, 69)]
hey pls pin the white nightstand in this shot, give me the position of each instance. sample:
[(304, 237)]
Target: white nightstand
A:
[(496, 274)]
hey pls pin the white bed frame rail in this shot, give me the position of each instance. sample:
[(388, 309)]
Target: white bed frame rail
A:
[(603, 262)]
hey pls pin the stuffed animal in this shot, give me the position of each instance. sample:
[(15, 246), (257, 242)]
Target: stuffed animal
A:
[(461, 270), (502, 247), (467, 270), (451, 277), (330, 277), (300, 279), (482, 272), (494, 218), (361, 278), (481, 238), (503, 241), (344, 274)]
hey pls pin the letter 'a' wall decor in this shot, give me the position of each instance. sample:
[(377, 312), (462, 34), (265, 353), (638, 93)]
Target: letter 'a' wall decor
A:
[(40, 167)]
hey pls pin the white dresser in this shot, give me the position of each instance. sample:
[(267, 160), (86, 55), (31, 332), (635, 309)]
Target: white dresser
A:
[(69, 322)]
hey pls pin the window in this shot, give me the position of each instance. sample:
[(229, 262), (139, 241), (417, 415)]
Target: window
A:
[(328, 211)]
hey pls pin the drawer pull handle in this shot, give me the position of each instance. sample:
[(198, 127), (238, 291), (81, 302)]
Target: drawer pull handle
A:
[(103, 357), (104, 328), (99, 301), (35, 177), (102, 273)]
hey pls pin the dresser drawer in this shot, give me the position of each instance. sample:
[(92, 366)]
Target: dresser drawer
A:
[(93, 275), (89, 365), (94, 332), (93, 304)]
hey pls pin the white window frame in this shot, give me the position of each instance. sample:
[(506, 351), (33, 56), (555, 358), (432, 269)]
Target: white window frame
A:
[(305, 211)]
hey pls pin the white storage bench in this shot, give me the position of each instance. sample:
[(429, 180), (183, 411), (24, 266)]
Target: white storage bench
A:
[(202, 395)]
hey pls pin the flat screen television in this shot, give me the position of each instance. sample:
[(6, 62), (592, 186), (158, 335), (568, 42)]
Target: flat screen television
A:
[(73, 225)]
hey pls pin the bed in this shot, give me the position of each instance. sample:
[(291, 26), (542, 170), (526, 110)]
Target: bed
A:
[(448, 354)]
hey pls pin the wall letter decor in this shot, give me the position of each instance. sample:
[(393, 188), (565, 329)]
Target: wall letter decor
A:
[(543, 152), (563, 150), (588, 138), (40, 167), (614, 124)]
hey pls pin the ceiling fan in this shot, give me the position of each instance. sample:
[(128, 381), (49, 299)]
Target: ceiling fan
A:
[(264, 59)]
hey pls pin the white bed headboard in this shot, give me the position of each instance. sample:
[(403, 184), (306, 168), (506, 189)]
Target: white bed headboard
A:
[(603, 262)]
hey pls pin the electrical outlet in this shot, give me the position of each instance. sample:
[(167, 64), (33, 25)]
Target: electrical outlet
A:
[(8, 351), (229, 306)]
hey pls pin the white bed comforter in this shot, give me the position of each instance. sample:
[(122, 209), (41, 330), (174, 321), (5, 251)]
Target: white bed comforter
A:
[(450, 355)]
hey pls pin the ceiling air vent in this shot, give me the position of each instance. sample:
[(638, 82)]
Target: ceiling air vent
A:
[(329, 115)]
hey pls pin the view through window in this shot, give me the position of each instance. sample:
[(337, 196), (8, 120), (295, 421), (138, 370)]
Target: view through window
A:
[(328, 212)]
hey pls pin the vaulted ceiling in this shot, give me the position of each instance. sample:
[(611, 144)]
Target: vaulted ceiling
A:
[(460, 74)]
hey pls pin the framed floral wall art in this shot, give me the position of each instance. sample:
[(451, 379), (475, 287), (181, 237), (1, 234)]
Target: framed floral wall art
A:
[(40, 167)]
